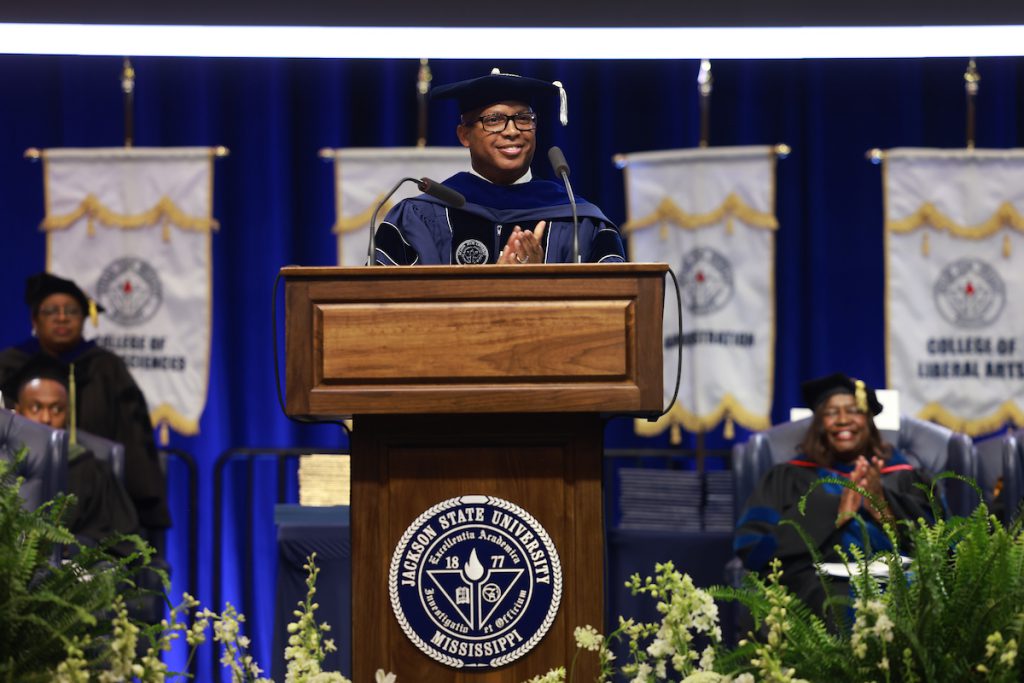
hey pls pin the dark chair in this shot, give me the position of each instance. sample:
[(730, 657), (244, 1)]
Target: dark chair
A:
[(45, 467), (1002, 457), (105, 450)]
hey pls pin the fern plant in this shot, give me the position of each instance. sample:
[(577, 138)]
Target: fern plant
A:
[(955, 613), (47, 602)]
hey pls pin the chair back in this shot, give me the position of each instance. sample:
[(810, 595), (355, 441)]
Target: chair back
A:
[(45, 467), (105, 450), (1001, 457)]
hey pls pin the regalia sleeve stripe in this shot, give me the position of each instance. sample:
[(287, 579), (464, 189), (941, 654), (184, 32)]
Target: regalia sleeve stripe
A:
[(759, 514), (759, 549)]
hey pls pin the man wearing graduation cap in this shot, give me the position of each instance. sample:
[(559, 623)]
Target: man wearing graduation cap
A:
[(109, 402), (509, 217), (841, 441)]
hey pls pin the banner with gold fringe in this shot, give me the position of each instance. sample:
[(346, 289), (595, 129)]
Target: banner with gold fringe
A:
[(710, 213), (132, 226), (363, 177), (955, 285)]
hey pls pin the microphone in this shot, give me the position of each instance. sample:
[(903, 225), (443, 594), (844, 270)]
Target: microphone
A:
[(426, 185), (561, 169), (442, 192)]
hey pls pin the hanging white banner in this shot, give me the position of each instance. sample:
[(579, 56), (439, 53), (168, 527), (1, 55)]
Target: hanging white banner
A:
[(954, 225), (363, 177), (710, 213), (132, 226)]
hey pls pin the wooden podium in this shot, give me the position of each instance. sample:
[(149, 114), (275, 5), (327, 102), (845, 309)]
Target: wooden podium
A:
[(474, 380)]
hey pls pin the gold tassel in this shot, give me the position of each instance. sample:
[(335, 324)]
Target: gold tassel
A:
[(861, 394), (165, 435), (663, 233), (90, 226), (926, 248), (72, 405), (675, 434), (166, 234), (729, 431), (94, 313), (729, 229), (1006, 246)]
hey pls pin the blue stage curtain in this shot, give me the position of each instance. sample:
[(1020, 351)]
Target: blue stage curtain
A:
[(274, 197)]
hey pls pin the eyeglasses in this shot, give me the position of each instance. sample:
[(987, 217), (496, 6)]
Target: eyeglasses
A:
[(833, 413), (497, 123), (69, 311)]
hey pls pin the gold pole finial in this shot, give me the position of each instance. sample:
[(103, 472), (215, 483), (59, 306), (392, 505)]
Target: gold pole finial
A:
[(705, 81), (972, 79), (423, 79), (128, 88)]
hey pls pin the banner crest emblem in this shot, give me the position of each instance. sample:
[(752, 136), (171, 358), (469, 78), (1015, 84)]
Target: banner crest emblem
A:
[(130, 289), (969, 293)]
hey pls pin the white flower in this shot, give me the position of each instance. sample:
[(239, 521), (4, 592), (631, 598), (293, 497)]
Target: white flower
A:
[(643, 672), (588, 638), (703, 677), (552, 676), (381, 677)]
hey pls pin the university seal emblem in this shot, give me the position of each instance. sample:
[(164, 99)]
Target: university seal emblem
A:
[(706, 282), (475, 582), (471, 253), (969, 293), (129, 288)]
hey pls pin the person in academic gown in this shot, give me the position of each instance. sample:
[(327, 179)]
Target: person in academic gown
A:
[(109, 402), (102, 507), (842, 441), (509, 217)]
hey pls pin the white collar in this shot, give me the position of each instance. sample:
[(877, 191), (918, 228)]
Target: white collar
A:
[(525, 178)]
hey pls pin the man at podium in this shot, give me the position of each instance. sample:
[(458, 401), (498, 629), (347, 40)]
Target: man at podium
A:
[(509, 217)]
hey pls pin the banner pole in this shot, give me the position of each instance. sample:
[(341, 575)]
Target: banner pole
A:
[(704, 87), (972, 79), (128, 88), (423, 79)]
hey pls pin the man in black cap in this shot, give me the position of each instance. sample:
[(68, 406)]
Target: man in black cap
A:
[(509, 218), (110, 403), (842, 441)]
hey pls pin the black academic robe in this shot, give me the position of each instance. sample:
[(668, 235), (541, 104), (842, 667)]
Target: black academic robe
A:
[(110, 404), (102, 507), (423, 230), (760, 537)]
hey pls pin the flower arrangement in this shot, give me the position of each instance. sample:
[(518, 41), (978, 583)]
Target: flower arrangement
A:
[(955, 613), (68, 621)]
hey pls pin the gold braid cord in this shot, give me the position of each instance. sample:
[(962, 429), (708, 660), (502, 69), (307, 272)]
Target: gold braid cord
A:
[(165, 414), (732, 206), (1007, 412), (1004, 216), (677, 417), (360, 220), (165, 211)]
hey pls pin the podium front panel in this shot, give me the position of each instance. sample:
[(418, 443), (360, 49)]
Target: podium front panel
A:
[(550, 466), (480, 339)]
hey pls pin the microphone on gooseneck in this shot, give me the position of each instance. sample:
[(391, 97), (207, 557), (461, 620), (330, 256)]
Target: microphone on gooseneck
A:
[(442, 192), (561, 168), (426, 185)]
